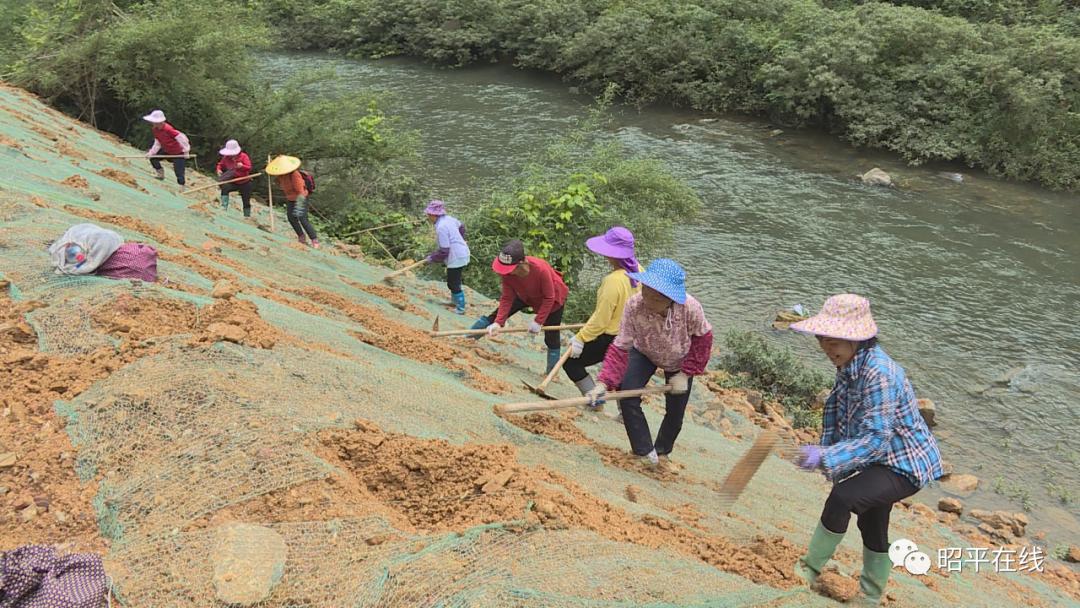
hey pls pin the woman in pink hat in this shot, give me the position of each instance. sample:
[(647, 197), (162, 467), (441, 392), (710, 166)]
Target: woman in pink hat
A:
[(591, 343), (875, 446), (451, 249), (169, 142), (234, 163)]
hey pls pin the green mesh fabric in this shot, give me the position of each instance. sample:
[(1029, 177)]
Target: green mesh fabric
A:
[(189, 429)]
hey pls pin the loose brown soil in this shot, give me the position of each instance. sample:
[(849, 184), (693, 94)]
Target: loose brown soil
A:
[(560, 427), (122, 178), (405, 340), (76, 181), (438, 486), (43, 475), (836, 586), (64, 149), (394, 295)]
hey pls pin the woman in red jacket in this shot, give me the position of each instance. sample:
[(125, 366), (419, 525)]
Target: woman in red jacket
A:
[(528, 282), (168, 141), (234, 163)]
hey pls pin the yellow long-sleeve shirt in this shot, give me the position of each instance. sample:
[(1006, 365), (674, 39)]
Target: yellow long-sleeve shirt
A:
[(614, 291)]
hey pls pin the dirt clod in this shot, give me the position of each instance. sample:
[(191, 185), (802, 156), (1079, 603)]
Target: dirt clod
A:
[(834, 585)]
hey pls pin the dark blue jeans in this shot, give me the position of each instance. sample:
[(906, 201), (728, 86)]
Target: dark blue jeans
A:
[(177, 165), (638, 372), (296, 211)]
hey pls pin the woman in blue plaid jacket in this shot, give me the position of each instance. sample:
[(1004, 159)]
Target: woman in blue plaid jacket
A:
[(875, 446)]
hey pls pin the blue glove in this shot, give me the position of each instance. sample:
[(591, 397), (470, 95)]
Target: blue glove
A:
[(809, 457)]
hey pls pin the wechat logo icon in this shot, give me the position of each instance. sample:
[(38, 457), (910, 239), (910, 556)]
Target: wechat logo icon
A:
[(905, 553)]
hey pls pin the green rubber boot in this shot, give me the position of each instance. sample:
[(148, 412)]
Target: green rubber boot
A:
[(876, 568), (822, 546), (225, 202)]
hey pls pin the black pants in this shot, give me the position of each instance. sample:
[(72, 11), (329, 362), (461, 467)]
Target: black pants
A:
[(869, 495), (298, 219), (638, 372), (245, 193), (591, 354), (178, 165), (453, 279), (551, 338)]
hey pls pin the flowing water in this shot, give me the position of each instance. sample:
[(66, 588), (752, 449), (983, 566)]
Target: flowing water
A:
[(971, 281)]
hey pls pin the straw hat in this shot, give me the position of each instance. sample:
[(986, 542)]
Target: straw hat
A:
[(232, 148), (283, 165), (155, 117), (845, 317)]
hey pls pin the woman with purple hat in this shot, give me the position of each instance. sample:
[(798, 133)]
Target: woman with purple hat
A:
[(591, 343), (874, 445), (662, 327), (451, 250)]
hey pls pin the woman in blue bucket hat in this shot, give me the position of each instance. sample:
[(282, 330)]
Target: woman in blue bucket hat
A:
[(591, 343), (662, 327)]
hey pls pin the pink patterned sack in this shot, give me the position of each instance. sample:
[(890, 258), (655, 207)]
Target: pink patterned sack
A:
[(131, 261)]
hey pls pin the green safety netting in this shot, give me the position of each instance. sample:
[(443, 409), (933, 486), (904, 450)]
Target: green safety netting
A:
[(191, 428)]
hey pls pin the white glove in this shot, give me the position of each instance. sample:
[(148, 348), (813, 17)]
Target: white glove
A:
[(493, 329), (576, 347), (680, 383), (534, 327), (596, 395)]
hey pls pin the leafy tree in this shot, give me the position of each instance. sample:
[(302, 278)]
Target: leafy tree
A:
[(579, 185)]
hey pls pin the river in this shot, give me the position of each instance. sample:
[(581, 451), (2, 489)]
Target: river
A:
[(969, 280)]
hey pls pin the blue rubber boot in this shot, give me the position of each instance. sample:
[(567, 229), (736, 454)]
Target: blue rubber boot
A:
[(225, 202), (553, 359), (481, 323), (459, 302)]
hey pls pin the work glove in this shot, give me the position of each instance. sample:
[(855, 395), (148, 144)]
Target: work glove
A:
[(680, 383), (809, 457), (534, 327), (596, 395), (576, 346), (493, 329)]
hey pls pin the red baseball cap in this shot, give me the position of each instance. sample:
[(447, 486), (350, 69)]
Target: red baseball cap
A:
[(512, 254)]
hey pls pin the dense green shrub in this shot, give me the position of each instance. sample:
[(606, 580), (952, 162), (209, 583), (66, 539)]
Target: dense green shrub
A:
[(778, 373), (994, 85), (579, 185)]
